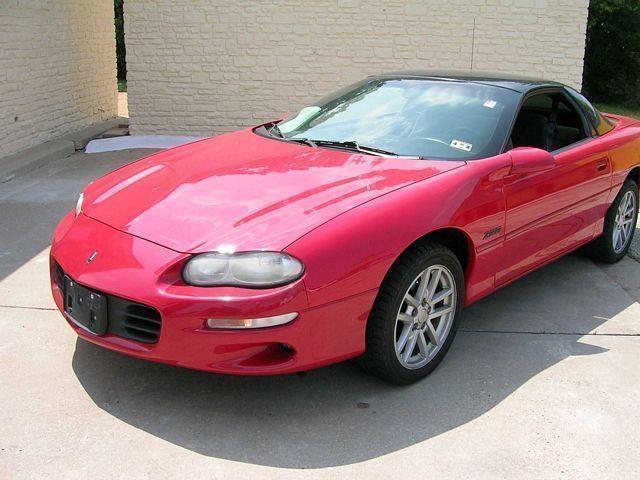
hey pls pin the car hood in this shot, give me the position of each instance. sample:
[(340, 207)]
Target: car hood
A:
[(243, 191)]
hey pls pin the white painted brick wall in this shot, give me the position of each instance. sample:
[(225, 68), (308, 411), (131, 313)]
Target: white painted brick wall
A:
[(209, 66), (57, 69)]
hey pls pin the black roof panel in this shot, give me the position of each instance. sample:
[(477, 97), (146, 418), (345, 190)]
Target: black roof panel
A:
[(504, 80)]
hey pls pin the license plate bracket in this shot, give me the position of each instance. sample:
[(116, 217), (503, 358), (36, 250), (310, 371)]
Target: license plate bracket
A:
[(86, 308)]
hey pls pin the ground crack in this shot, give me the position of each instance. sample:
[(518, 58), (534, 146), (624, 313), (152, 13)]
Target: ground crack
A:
[(51, 309), (527, 332)]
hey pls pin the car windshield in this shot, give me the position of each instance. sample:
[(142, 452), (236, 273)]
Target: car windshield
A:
[(410, 117)]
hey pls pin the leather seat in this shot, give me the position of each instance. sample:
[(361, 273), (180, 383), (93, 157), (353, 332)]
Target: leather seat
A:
[(531, 130)]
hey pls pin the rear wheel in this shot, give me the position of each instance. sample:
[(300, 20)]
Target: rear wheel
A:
[(619, 226), (415, 316)]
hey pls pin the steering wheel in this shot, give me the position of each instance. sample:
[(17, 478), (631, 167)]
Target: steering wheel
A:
[(435, 140), (463, 133)]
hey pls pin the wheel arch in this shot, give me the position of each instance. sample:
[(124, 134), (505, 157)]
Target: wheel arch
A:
[(455, 239), (634, 174), (376, 359)]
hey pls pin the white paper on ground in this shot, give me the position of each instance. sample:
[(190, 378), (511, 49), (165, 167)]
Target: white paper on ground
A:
[(138, 141)]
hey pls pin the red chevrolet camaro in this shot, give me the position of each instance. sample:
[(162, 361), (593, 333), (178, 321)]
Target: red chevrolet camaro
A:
[(358, 227)]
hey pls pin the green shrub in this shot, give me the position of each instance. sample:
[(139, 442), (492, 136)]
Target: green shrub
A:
[(121, 54), (612, 56)]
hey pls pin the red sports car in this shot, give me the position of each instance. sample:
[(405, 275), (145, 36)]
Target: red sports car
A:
[(358, 227)]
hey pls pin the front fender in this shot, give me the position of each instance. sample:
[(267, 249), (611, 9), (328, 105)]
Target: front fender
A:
[(353, 252)]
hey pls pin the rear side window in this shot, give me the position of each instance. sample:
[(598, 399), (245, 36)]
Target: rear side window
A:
[(598, 122)]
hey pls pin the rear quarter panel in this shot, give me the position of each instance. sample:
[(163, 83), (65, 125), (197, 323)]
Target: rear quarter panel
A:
[(624, 150)]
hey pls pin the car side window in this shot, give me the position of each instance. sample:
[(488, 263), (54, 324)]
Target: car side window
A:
[(598, 122), (547, 121)]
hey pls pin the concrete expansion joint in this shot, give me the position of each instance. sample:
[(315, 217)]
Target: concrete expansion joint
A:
[(525, 332)]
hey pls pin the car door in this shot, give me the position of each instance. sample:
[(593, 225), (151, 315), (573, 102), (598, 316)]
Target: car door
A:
[(553, 211)]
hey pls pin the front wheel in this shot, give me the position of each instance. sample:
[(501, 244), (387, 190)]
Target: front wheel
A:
[(619, 226), (416, 314)]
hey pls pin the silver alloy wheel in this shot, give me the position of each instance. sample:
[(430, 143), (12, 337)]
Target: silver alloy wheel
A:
[(623, 224), (425, 317)]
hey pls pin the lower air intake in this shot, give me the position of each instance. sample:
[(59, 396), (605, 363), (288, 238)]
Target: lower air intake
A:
[(134, 320)]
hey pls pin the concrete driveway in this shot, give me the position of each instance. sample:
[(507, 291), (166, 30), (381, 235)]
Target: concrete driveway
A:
[(543, 381)]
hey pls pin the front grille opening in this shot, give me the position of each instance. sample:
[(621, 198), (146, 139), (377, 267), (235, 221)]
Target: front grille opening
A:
[(125, 318), (142, 323), (133, 320), (58, 276)]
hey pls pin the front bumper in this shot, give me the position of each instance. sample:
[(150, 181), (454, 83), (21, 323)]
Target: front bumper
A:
[(141, 271)]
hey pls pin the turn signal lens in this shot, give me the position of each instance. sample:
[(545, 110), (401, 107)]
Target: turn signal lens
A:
[(238, 323)]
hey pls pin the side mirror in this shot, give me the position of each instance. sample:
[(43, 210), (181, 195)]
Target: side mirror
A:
[(530, 160)]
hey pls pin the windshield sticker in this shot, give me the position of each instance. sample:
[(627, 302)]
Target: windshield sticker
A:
[(460, 145), (490, 103)]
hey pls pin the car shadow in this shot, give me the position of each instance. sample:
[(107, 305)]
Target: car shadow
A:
[(339, 415), (34, 203)]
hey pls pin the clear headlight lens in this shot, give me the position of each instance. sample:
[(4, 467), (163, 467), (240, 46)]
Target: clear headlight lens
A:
[(79, 204), (247, 269)]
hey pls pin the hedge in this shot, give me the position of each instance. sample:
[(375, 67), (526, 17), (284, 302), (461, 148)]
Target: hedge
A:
[(612, 56), (121, 54)]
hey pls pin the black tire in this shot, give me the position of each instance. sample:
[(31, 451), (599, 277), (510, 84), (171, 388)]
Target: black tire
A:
[(602, 248), (380, 358)]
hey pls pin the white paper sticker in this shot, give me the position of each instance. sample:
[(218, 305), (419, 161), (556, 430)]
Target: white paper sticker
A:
[(490, 103), (460, 145)]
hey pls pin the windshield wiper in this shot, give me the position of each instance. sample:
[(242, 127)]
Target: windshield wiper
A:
[(305, 141), (274, 130), (348, 144), (353, 145)]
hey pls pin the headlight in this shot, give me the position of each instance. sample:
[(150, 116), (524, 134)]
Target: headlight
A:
[(79, 204), (249, 269)]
